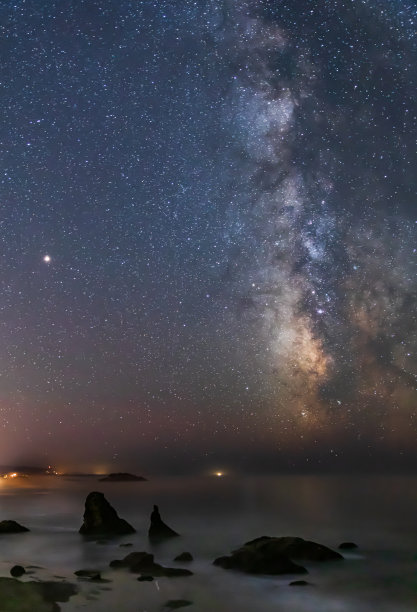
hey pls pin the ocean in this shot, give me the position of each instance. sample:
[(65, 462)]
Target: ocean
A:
[(215, 515)]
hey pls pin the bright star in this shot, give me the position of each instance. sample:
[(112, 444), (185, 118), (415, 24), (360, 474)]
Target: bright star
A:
[(47, 258)]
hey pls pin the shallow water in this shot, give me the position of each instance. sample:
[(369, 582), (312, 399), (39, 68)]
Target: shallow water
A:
[(214, 515)]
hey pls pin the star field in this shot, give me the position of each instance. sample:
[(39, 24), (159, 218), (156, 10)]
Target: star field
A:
[(208, 233)]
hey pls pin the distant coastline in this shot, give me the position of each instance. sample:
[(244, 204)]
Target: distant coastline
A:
[(122, 477)]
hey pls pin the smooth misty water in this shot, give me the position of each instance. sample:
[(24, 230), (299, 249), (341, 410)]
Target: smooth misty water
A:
[(214, 516)]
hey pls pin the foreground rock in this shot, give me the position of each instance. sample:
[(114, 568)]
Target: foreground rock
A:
[(158, 530), (11, 527), (122, 477), (16, 596), (184, 557), (267, 555), (143, 563), (100, 518)]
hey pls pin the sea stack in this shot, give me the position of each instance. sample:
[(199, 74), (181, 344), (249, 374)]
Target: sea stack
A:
[(101, 519), (158, 530)]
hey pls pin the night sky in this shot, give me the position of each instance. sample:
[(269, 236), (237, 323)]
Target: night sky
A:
[(208, 234)]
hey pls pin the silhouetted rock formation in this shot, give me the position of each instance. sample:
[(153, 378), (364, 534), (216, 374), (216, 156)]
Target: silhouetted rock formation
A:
[(122, 477), (100, 518), (184, 557), (175, 604), (267, 555), (347, 546), (33, 596), (158, 530), (11, 527), (300, 583), (143, 563)]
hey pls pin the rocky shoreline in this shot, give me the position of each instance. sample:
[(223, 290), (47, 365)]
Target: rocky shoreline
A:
[(269, 556)]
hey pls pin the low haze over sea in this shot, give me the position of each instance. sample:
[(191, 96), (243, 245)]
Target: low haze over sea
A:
[(213, 515)]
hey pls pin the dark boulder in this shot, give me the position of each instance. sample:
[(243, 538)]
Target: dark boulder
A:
[(347, 546), (11, 527), (295, 548), (300, 583), (143, 563), (175, 572), (267, 555), (145, 578), (137, 562), (100, 518), (250, 562), (158, 530), (17, 571), (184, 557), (175, 604), (90, 574)]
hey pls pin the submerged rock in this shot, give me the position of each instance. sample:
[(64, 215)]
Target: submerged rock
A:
[(143, 563), (122, 477), (158, 530), (17, 571), (88, 573), (268, 555), (175, 604), (11, 527), (347, 546), (100, 518), (184, 557), (16, 596)]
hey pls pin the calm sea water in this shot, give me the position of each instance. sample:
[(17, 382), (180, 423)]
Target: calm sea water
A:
[(215, 515)]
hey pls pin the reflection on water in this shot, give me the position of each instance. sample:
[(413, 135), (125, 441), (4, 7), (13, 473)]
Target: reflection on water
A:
[(214, 515)]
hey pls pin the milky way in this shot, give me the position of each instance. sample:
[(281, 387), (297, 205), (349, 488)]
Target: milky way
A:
[(208, 233), (324, 110)]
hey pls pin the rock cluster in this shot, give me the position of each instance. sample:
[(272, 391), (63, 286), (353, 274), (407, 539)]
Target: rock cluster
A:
[(143, 563)]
